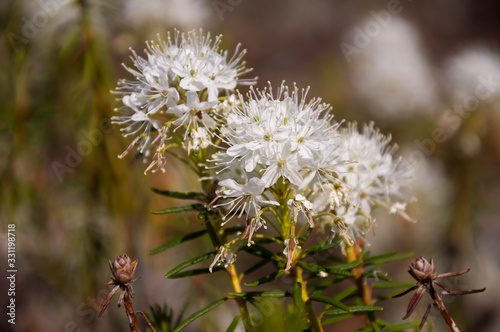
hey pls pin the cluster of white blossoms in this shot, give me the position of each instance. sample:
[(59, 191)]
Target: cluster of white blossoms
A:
[(277, 154), (176, 73), (280, 138)]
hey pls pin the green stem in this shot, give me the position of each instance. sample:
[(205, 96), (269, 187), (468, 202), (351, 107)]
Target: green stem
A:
[(235, 281), (354, 253), (315, 322)]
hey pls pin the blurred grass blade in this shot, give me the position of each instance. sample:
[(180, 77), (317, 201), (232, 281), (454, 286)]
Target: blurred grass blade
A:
[(261, 294), (191, 207), (190, 262), (352, 309), (234, 324), (348, 266), (389, 257), (194, 272), (199, 313), (329, 300), (178, 241), (180, 195), (270, 277), (255, 267), (316, 269)]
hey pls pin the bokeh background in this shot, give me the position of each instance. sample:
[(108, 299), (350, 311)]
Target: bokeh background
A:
[(428, 72)]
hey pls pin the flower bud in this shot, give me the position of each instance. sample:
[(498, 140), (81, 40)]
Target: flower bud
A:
[(123, 269), (422, 270)]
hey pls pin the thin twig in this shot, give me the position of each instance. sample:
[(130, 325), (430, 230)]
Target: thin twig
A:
[(134, 326)]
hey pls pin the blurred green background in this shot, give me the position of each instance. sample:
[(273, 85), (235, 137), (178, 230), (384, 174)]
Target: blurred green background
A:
[(426, 71)]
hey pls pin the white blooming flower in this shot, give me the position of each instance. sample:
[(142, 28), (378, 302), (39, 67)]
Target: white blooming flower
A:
[(473, 73), (193, 112), (375, 179), (169, 80), (277, 135), (392, 74), (196, 139), (245, 197)]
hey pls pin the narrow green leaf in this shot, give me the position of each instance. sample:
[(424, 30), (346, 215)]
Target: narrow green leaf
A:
[(316, 269), (335, 319), (329, 300), (345, 293), (320, 247), (190, 262), (303, 238), (198, 314), (270, 277), (180, 195), (389, 257), (403, 326), (194, 272), (262, 252), (255, 267), (297, 296), (348, 266), (234, 324), (178, 241), (261, 294), (352, 309), (191, 207)]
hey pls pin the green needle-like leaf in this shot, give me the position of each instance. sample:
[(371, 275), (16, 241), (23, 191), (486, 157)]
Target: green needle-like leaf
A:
[(178, 241), (234, 324), (194, 272), (199, 313), (191, 207), (352, 309), (389, 257), (261, 294), (316, 269), (270, 277), (190, 262), (180, 195), (329, 300)]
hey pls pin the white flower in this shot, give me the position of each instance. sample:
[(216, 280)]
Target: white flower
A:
[(191, 63), (245, 197), (375, 179), (193, 112), (392, 75), (473, 73), (196, 139), (277, 135)]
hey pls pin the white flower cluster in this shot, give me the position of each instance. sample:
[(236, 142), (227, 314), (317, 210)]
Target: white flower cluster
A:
[(188, 63), (374, 177), (282, 138), (274, 150)]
